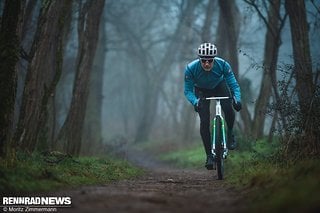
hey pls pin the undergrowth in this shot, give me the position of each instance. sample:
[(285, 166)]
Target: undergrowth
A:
[(192, 157), (270, 182), (274, 183), (38, 172)]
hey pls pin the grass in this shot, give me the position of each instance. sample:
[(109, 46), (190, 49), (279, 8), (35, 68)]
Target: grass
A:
[(44, 173), (269, 182), (292, 189), (191, 158), (275, 184)]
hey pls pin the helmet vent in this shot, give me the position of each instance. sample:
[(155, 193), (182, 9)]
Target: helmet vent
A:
[(207, 50)]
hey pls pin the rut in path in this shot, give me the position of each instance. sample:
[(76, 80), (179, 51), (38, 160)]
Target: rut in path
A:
[(162, 189)]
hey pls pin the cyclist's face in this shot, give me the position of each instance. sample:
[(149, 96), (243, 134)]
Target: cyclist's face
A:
[(207, 63)]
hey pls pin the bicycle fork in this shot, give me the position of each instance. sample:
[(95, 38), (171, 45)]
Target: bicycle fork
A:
[(218, 114)]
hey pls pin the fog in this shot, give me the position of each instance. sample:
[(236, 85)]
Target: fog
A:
[(122, 73), (124, 78), (152, 23)]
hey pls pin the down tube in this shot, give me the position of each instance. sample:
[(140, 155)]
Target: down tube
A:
[(213, 136), (223, 133)]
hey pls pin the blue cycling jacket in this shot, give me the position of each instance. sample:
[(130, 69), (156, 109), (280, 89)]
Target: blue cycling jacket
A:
[(195, 75)]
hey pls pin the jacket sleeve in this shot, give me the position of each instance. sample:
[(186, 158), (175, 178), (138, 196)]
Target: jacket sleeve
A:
[(189, 87), (232, 82)]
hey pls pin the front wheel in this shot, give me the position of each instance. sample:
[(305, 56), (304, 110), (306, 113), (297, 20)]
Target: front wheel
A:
[(219, 148)]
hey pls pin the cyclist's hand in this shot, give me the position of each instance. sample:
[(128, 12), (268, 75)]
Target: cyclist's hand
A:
[(236, 104), (199, 104)]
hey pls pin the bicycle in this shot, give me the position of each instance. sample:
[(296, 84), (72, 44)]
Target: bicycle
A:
[(219, 145)]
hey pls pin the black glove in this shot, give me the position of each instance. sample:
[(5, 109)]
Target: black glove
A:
[(199, 105), (236, 104)]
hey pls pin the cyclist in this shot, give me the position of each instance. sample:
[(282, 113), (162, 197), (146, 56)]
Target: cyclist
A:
[(210, 76)]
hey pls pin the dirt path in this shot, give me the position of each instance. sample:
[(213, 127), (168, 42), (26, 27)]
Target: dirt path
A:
[(160, 190)]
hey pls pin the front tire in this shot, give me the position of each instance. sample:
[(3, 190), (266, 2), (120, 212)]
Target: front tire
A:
[(219, 148)]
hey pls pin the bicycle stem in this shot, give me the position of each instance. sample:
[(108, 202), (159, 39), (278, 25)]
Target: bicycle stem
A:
[(218, 108)]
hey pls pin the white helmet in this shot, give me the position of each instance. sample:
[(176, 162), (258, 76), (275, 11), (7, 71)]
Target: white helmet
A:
[(207, 50)]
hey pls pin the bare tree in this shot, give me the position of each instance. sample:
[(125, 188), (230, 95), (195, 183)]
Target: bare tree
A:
[(92, 130), (9, 56), (88, 32), (43, 74), (186, 119), (301, 53), (227, 41), (228, 32), (303, 71), (206, 34), (272, 43), (151, 97)]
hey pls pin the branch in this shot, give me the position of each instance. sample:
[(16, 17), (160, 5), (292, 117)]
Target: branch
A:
[(252, 3), (317, 8)]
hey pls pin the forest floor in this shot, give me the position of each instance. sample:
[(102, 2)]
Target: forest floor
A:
[(161, 189)]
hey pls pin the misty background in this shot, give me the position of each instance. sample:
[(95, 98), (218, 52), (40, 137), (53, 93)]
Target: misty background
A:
[(155, 21), (135, 85)]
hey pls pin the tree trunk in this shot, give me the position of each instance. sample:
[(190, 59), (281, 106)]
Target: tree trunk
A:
[(303, 73), (43, 74), (207, 25), (301, 53), (88, 31), (227, 42), (230, 27), (9, 56), (272, 44), (92, 130)]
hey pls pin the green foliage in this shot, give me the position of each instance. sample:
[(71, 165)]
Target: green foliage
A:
[(40, 172), (299, 119), (255, 161), (192, 157), (244, 143), (273, 184), (270, 182)]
